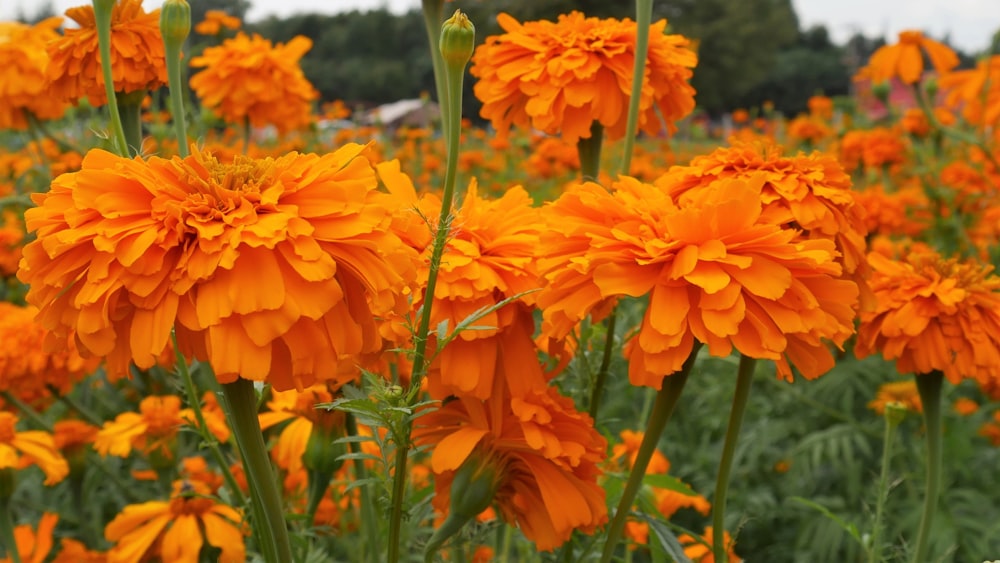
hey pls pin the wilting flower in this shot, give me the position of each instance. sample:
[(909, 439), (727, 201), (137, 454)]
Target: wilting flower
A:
[(27, 370), (176, 530), (934, 315), (24, 86), (267, 268), (31, 447), (718, 265), (137, 59), (153, 430), (905, 60), (901, 393), (33, 546), (542, 454), (215, 21), (248, 79), (560, 77), (489, 257)]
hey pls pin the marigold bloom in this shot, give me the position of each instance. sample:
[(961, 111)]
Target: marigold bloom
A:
[(976, 91), (215, 21), (544, 454), (73, 551), (31, 447), (27, 370), (905, 59), (268, 268), (23, 80), (11, 241), (628, 449), (33, 546), (965, 406), (668, 502), (809, 129), (699, 550), (137, 59), (248, 78), (176, 530), (820, 107), (905, 211), (300, 411), (875, 148), (934, 315), (902, 393), (152, 430), (560, 77), (718, 265)]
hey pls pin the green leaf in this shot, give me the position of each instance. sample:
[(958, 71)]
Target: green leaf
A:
[(670, 483), (850, 528), (666, 538)]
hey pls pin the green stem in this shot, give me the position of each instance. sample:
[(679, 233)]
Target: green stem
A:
[(263, 482), (7, 531), (70, 402), (602, 373), (643, 18), (368, 520), (744, 379), (28, 412), (666, 400), (589, 150), (102, 20), (176, 85), (929, 387), (398, 492), (433, 10), (206, 435), (893, 416), (130, 109)]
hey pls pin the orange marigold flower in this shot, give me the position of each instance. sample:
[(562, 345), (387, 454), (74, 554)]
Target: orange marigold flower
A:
[(74, 438), (934, 315), (24, 85), (73, 551), (33, 546), (248, 78), (490, 257), (11, 241), (215, 21), (27, 369), (268, 268), (915, 122), (975, 91), (31, 447), (669, 501), (809, 129), (560, 77), (299, 410), (152, 430), (137, 59), (552, 157), (637, 533), (821, 107), (875, 148), (905, 59), (991, 430), (965, 406), (628, 450), (699, 550), (543, 453), (177, 530), (905, 211), (718, 265), (901, 393)]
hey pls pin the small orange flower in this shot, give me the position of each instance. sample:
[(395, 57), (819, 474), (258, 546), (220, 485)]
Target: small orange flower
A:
[(975, 91), (821, 107), (905, 59), (934, 315), (33, 546), (152, 430), (901, 393), (24, 73), (267, 268), (699, 550), (809, 129), (965, 406), (31, 447), (11, 241), (73, 551), (299, 410), (137, 59), (177, 530), (560, 77), (628, 450), (248, 78), (215, 21), (905, 211), (875, 148)]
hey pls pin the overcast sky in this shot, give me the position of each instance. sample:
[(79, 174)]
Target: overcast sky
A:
[(969, 23)]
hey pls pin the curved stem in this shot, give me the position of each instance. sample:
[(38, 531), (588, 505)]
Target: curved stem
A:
[(929, 387), (666, 401), (589, 150), (744, 379), (263, 482), (102, 19), (643, 18), (602, 372)]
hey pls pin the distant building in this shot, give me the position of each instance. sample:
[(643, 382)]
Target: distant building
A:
[(404, 113)]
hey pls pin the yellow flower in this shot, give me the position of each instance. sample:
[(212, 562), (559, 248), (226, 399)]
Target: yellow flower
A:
[(153, 429), (31, 447)]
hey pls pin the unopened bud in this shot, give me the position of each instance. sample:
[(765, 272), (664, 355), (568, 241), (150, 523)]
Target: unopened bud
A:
[(175, 21), (458, 39), (474, 486)]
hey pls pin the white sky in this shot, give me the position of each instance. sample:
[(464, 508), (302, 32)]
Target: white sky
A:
[(970, 23)]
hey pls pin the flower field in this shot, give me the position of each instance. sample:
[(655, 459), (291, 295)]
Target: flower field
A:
[(241, 323)]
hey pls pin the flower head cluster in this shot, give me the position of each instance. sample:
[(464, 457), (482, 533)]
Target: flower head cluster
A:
[(268, 268), (23, 77), (562, 76), (137, 59), (248, 78)]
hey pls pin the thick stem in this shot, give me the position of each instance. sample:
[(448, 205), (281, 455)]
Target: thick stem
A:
[(643, 17), (929, 387), (893, 416), (602, 372), (589, 150), (102, 19), (130, 108), (263, 482), (433, 10), (744, 379), (172, 58), (666, 401)]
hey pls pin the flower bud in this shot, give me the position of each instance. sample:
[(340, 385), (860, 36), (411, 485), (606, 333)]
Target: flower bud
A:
[(175, 21), (458, 39), (473, 487)]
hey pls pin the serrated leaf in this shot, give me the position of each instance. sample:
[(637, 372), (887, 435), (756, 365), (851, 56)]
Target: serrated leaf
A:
[(670, 483), (666, 538), (850, 528)]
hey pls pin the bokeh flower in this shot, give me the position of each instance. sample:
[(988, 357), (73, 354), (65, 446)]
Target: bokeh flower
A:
[(30, 447), (976, 91), (905, 60), (560, 77), (34, 545), (137, 59), (269, 269), (23, 77), (699, 550), (215, 21), (247, 78), (901, 393), (153, 430)]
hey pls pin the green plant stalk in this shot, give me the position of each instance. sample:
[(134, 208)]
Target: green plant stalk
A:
[(130, 109), (206, 436), (602, 372), (433, 10), (102, 20), (643, 18), (589, 150), (929, 388), (28, 412), (81, 410), (176, 85), (273, 533), (7, 531), (368, 520), (744, 379), (892, 421), (666, 400)]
